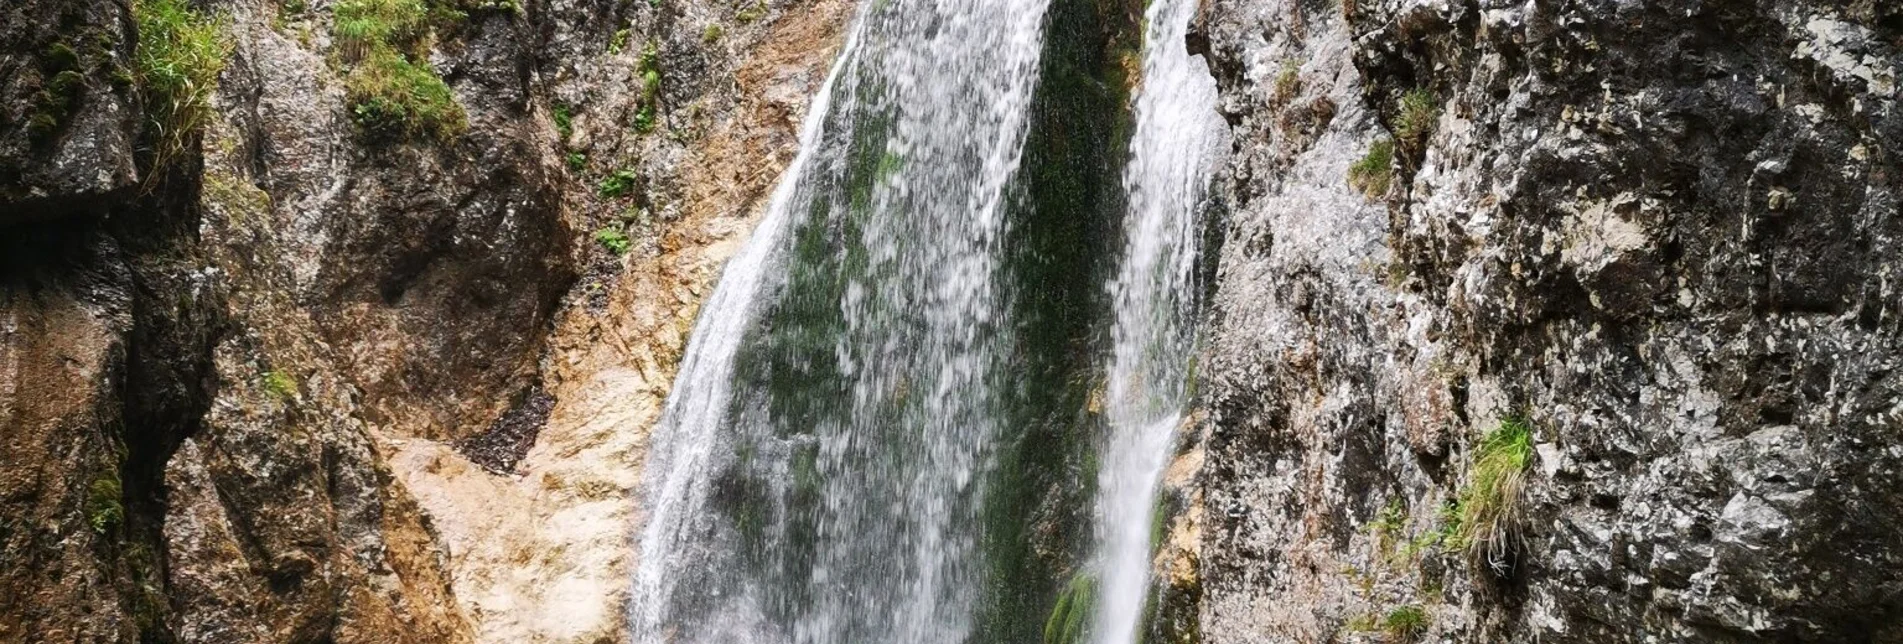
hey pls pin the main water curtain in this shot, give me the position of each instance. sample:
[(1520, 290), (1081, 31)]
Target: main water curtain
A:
[(818, 472)]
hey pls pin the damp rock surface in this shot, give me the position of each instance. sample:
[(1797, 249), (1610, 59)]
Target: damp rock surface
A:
[(1664, 234)]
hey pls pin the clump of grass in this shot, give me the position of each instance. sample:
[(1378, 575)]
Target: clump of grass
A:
[(1374, 173), (711, 34), (1490, 504), (280, 384), (179, 55), (1416, 118), (1287, 84), (614, 240), (1070, 616), (1405, 623), (617, 184), (391, 89)]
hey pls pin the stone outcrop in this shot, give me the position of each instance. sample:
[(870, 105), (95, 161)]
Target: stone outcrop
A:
[(1664, 234)]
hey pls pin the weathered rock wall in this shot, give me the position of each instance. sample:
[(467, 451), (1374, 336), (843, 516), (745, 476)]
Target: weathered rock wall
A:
[(1665, 234), (286, 388)]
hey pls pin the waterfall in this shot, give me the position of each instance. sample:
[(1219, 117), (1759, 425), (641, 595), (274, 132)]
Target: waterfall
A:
[(816, 474), (1177, 136)]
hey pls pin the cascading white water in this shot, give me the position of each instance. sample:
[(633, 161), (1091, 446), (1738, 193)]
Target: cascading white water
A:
[(814, 477), (1177, 136)]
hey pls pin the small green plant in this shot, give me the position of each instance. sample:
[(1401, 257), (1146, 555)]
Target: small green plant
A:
[(1405, 623), (1387, 525), (650, 69), (1374, 173), (711, 34), (576, 161), (618, 42), (1490, 504), (615, 185), (644, 119), (105, 507), (280, 384), (1416, 118), (179, 56), (752, 12), (564, 121), (614, 240), (1070, 617)]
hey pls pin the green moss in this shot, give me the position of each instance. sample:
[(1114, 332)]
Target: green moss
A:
[(1374, 173), (179, 55), (280, 384), (1405, 623), (711, 34), (1490, 503), (105, 504), (1070, 618), (614, 240)]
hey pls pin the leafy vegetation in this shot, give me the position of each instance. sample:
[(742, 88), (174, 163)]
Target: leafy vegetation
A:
[(711, 34), (1374, 173), (105, 508), (615, 185), (392, 91), (179, 55), (564, 121), (614, 240), (576, 161), (650, 69), (1490, 504), (618, 42)]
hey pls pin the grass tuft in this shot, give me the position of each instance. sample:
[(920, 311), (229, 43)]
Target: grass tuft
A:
[(179, 56), (1416, 119), (1490, 504), (392, 91), (1374, 173), (1405, 623)]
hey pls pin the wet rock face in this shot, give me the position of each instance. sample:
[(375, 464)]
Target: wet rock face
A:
[(68, 120), (1660, 232)]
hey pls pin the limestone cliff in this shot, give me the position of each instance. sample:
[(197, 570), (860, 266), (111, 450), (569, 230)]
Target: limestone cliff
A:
[(1663, 236)]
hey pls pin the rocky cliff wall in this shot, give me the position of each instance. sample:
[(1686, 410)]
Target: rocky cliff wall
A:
[(1663, 236), (275, 376)]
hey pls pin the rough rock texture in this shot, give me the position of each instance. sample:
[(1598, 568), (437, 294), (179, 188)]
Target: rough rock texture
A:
[(236, 396), (68, 119), (1665, 233)]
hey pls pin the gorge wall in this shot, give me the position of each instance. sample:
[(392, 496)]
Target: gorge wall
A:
[(1661, 235), (307, 372)]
